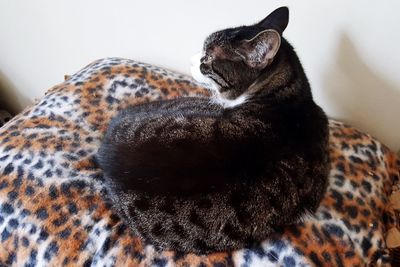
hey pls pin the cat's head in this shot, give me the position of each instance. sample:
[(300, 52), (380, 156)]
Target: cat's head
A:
[(233, 59)]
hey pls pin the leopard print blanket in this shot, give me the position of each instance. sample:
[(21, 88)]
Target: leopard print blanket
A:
[(53, 210)]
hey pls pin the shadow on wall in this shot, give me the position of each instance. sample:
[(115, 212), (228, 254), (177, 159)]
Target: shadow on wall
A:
[(362, 97), (10, 98)]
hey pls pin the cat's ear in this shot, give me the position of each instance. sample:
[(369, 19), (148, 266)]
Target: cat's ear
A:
[(260, 50), (277, 20)]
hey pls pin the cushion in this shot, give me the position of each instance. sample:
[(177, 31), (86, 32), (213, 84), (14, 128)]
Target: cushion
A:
[(54, 207)]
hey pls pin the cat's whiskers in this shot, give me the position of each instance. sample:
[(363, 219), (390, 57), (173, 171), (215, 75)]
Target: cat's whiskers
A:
[(213, 87)]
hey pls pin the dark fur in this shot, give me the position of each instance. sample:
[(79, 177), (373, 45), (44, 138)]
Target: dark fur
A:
[(196, 177)]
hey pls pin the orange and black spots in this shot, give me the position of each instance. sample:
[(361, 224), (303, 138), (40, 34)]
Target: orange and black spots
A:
[(87, 164), (366, 186), (356, 159), (65, 213), (216, 259), (42, 213), (220, 259), (323, 244), (352, 211), (8, 169), (45, 123), (334, 254), (334, 199)]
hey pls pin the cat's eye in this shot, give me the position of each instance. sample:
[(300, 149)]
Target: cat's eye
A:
[(239, 55), (206, 58)]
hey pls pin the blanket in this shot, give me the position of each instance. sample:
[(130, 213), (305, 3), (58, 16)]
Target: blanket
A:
[(53, 205)]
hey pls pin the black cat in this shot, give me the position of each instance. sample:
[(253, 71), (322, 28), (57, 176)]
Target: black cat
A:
[(195, 175)]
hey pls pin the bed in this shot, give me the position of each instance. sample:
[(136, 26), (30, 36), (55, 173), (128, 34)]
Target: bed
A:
[(54, 208)]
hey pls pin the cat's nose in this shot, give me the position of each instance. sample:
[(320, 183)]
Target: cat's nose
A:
[(204, 68)]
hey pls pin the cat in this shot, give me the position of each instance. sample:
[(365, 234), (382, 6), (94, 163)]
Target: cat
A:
[(204, 175)]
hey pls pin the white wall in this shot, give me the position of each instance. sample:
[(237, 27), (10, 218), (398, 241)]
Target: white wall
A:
[(350, 49)]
